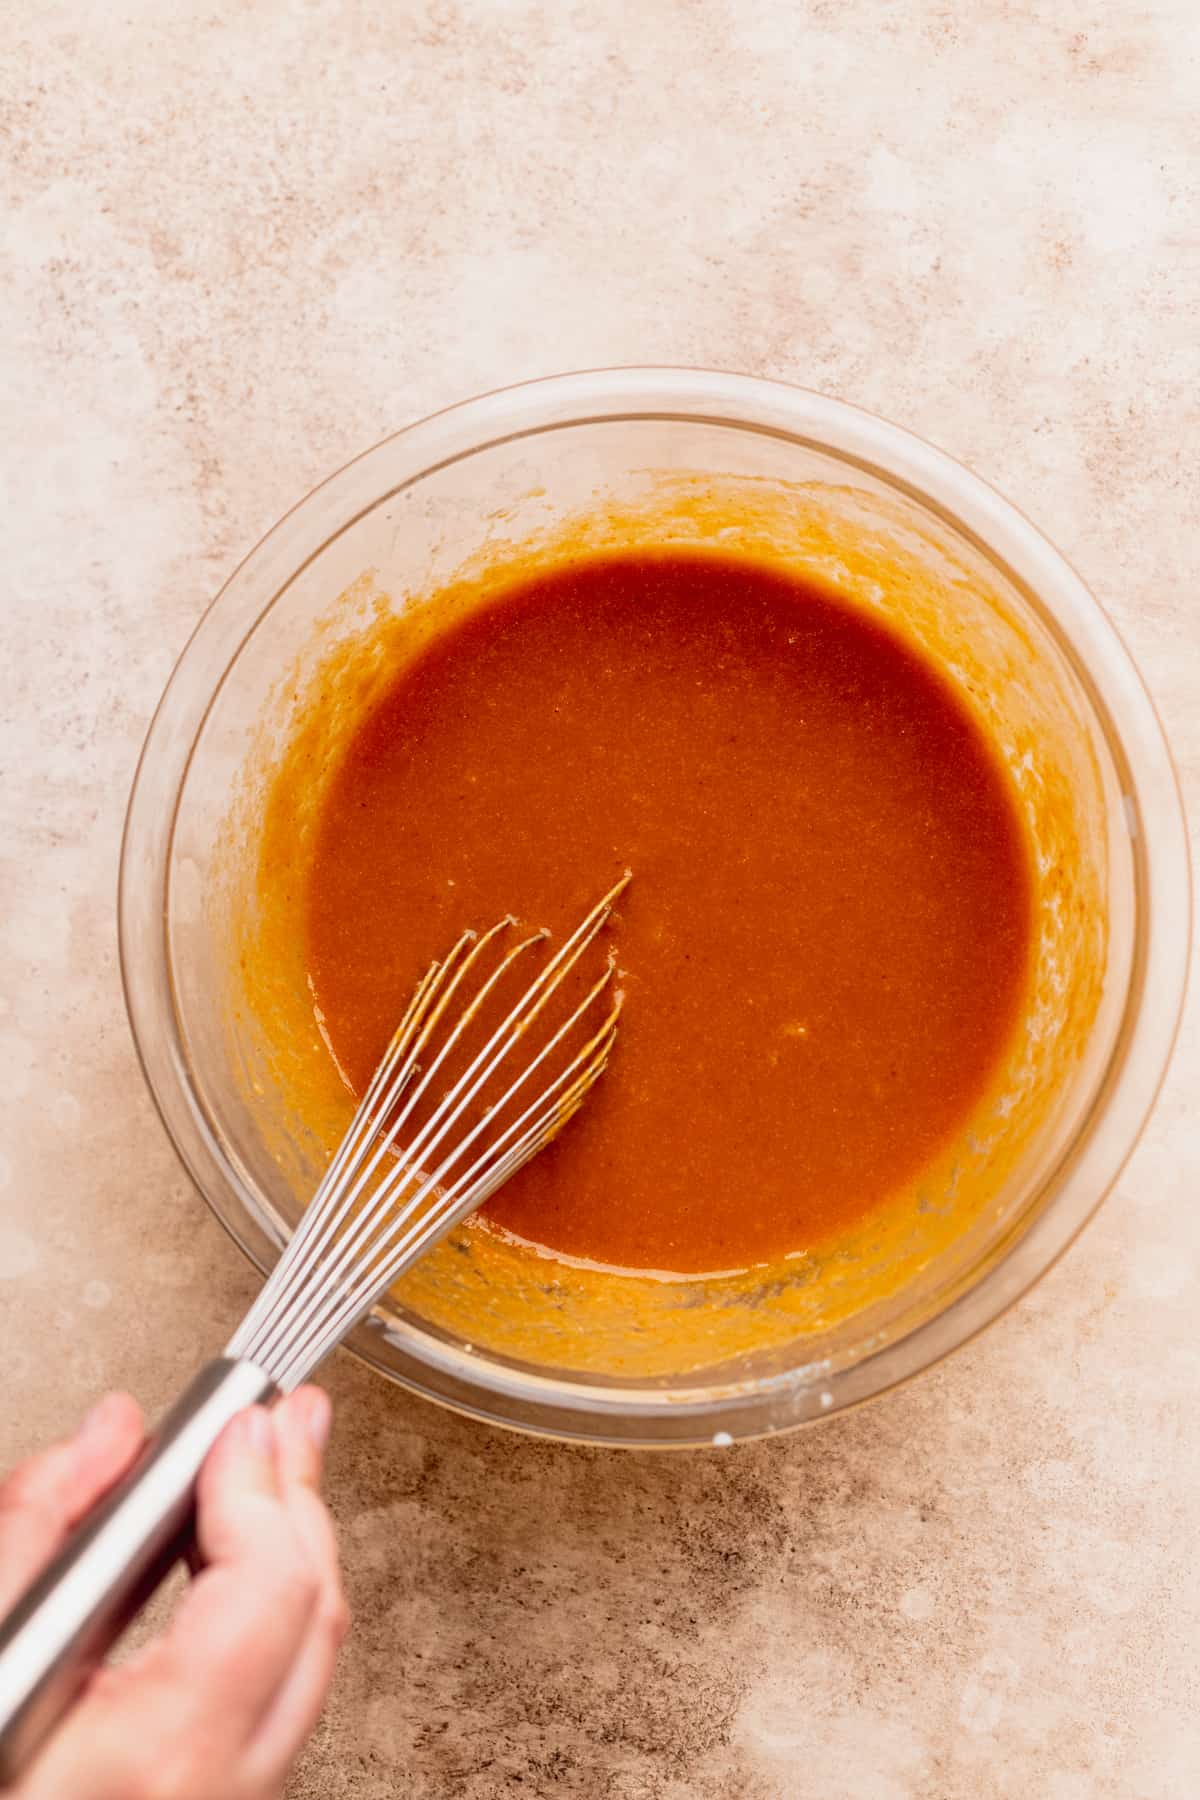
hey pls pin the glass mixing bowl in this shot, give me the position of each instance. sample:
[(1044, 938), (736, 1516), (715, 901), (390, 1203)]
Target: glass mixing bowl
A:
[(667, 452)]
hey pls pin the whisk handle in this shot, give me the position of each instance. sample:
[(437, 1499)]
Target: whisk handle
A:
[(65, 1623)]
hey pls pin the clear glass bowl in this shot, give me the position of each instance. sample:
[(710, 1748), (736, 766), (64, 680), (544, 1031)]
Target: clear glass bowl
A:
[(1011, 622)]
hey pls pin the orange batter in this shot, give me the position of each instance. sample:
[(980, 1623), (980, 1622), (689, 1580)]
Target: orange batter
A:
[(826, 942)]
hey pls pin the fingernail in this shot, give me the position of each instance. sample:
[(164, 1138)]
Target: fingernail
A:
[(96, 1420), (260, 1432), (318, 1416)]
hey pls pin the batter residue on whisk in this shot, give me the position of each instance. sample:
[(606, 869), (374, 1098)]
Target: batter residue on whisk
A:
[(826, 944)]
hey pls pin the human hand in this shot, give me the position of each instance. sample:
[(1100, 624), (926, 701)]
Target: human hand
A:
[(219, 1705)]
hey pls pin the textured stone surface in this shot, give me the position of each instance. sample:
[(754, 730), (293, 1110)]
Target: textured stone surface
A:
[(241, 243)]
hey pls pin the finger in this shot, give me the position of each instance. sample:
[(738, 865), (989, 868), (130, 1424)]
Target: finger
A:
[(302, 1425), (301, 1432), (232, 1643), (45, 1497), (299, 1703)]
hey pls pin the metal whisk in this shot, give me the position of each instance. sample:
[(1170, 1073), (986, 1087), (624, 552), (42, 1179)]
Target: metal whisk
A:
[(445, 1120)]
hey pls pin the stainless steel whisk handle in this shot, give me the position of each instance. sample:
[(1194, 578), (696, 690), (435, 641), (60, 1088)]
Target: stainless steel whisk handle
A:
[(69, 1618)]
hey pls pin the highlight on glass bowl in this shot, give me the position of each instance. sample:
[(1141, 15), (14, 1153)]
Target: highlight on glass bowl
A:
[(901, 956)]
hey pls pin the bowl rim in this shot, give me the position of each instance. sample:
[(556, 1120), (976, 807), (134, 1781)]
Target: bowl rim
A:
[(585, 1410)]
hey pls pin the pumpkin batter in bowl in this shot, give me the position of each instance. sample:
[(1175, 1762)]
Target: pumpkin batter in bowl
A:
[(841, 951), (826, 948)]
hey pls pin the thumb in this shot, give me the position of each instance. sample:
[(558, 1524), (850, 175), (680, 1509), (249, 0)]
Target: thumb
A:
[(45, 1497), (238, 1491)]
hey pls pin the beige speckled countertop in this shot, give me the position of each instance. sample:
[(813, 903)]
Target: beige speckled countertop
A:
[(242, 242)]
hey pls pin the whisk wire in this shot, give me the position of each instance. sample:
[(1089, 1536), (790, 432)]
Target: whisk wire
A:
[(462, 1092), (362, 1229), (507, 1034), (332, 1254), (367, 1160), (446, 1208), (426, 1223), (332, 1201), (319, 1221)]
